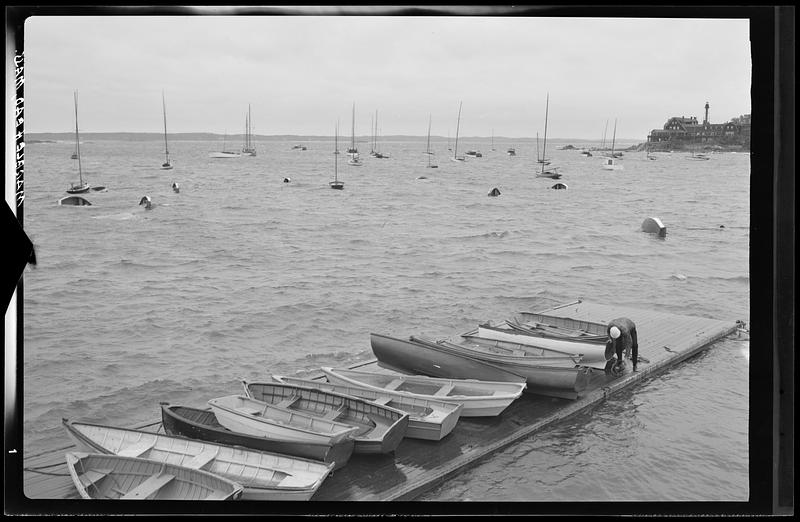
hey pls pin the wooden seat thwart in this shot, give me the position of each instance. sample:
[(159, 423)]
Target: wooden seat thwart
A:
[(394, 384), (444, 390), (93, 476), (333, 414), (138, 449), (149, 487), (383, 401), (250, 410), (288, 401), (202, 459)]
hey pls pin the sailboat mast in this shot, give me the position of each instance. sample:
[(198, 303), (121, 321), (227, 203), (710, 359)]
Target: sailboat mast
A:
[(164, 109), (458, 124), (336, 153), (353, 130), (614, 139), (77, 139), (544, 144), (428, 146), (249, 123), (603, 146)]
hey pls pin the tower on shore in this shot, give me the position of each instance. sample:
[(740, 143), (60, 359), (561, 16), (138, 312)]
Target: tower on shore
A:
[(705, 120)]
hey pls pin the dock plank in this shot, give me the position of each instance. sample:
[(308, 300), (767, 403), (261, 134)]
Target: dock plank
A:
[(419, 465)]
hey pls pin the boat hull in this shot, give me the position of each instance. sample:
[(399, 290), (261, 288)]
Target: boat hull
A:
[(224, 155), (479, 398), (414, 358), (202, 424), (593, 354), (246, 415), (553, 376), (265, 476), (75, 201), (380, 428), (102, 476), (427, 419)]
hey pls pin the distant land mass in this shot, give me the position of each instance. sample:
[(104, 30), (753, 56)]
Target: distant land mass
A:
[(53, 137)]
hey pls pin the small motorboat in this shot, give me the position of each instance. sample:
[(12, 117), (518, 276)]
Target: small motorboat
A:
[(100, 476)]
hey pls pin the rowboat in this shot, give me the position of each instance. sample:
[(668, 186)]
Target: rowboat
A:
[(427, 419), (479, 398), (264, 476), (202, 424), (241, 413), (100, 476), (555, 326), (593, 354), (549, 373), (414, 358), (379, 428)]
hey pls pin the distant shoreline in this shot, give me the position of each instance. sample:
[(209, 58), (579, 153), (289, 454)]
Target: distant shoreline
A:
[(55, 137)]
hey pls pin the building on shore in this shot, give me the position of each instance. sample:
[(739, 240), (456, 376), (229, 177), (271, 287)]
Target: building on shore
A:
[(680, 130)]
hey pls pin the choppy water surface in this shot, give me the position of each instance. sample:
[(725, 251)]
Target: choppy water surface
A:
[(241, 275)]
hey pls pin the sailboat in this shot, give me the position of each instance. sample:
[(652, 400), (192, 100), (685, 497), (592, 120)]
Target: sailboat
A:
[(553, 171), (428, 147), (224, 153), (540, 159), (375, 153), (336, 184), (493, 149), (166, 165), (354, 160), (611, 162), (353, 149), (81, 186), (456, 157), (248, 149)]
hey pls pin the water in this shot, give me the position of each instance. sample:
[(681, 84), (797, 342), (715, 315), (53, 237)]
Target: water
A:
[(241, 275)]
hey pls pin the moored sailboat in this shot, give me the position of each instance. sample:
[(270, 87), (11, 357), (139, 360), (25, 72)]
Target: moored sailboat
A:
[(166, 165), (336, 184), (224, 153), (551, 172), (428, 146), (249, 149), (611, 161), (82, 186), (456, 157)]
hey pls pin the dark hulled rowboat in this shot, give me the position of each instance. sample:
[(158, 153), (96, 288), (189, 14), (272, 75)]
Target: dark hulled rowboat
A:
[(202, 424)]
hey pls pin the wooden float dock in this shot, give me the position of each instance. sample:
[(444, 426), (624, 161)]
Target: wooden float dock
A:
[(418, 465)]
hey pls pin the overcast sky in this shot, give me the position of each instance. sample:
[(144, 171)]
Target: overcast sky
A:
[(300, 73)]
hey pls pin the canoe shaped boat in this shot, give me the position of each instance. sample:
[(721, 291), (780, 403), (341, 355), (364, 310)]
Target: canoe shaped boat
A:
[(101, 476), (379, 428), (593, 354), (246, 415), (414, 358), (264, 476), (553, 375), (479, 398), (202, 424), (428, 419)]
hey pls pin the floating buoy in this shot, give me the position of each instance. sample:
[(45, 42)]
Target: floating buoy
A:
[(653, 225), (175, 187), (494, 192), (559, 186), (286, 180), (146, 202)]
